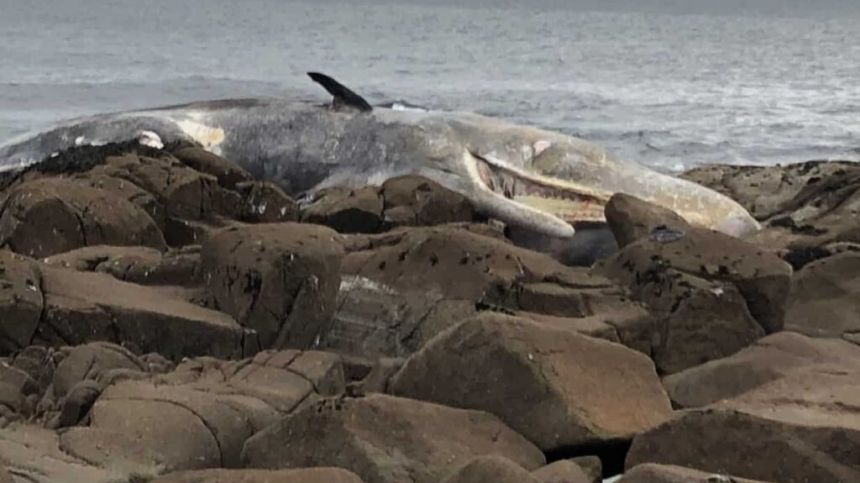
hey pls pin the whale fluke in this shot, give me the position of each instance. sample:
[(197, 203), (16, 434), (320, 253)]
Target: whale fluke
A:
[(343, 96)]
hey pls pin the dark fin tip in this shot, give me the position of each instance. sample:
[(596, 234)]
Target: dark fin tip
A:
[(343, 96)]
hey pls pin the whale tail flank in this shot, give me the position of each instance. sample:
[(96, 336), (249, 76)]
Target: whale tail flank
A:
[(343, 96)]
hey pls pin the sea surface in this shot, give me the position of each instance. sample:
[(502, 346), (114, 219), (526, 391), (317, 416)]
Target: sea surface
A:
[(662, 82)]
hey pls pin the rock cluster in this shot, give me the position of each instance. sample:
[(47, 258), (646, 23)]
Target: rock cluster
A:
[(165, 317)]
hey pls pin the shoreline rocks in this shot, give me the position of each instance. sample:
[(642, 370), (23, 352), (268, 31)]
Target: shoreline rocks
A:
[(165, 317)]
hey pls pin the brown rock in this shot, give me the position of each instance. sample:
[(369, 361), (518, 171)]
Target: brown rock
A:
[(654, 473), (142, 265), (88, 362), (48, 216), (81, 307), (762, 278), (21, 301), (399, 293), (228, 173), (491, 468), (35, 452), (562, 471), (762, 190), (280, 280), (632, 219), (386, 439), (557, 388), (304, 475), (417, 201), (346, 210), (802, 427), (824, 298), (266, 203), (200, 415), (591, 466), (770, 358)]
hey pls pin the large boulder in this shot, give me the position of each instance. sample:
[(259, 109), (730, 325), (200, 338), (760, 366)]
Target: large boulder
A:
[(761, 277), (400, 290), (799, 428), (632, 219), (387, 439), (557, 388), (770, 358), (712, 294), (228, 173), (48, 216), (279, 279), (825, 298), (303, 475)]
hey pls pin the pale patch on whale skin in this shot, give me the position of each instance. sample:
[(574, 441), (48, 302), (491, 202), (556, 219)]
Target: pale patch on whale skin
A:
[(207, 136)]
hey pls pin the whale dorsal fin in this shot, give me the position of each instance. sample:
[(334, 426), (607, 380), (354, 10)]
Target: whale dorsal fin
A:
[(343, 96)]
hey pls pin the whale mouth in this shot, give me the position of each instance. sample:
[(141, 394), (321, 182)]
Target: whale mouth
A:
[(559, 198)]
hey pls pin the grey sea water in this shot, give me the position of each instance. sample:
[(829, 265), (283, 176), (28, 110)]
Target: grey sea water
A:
[(669, 83)]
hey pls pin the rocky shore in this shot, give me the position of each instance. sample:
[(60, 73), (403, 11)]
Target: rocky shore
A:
[(165, 317)]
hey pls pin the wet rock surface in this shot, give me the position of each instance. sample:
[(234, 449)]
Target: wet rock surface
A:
[(166, 317)]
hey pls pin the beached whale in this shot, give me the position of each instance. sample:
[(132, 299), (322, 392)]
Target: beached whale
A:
[(531, 179)]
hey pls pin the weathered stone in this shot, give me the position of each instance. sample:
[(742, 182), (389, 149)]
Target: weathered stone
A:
[(770, 358), (491, 468), (632, 219), (556, 387), (48, 216), (418, 441), (280, 280)]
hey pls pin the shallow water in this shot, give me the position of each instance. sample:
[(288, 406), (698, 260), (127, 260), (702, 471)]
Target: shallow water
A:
[(669, 90)]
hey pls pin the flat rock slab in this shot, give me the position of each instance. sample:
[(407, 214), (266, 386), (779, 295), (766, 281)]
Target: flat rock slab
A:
[(800, 428), (304, 475), (556, 387), (632, 219), (387, 439), (81, 307), (770, 358)]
